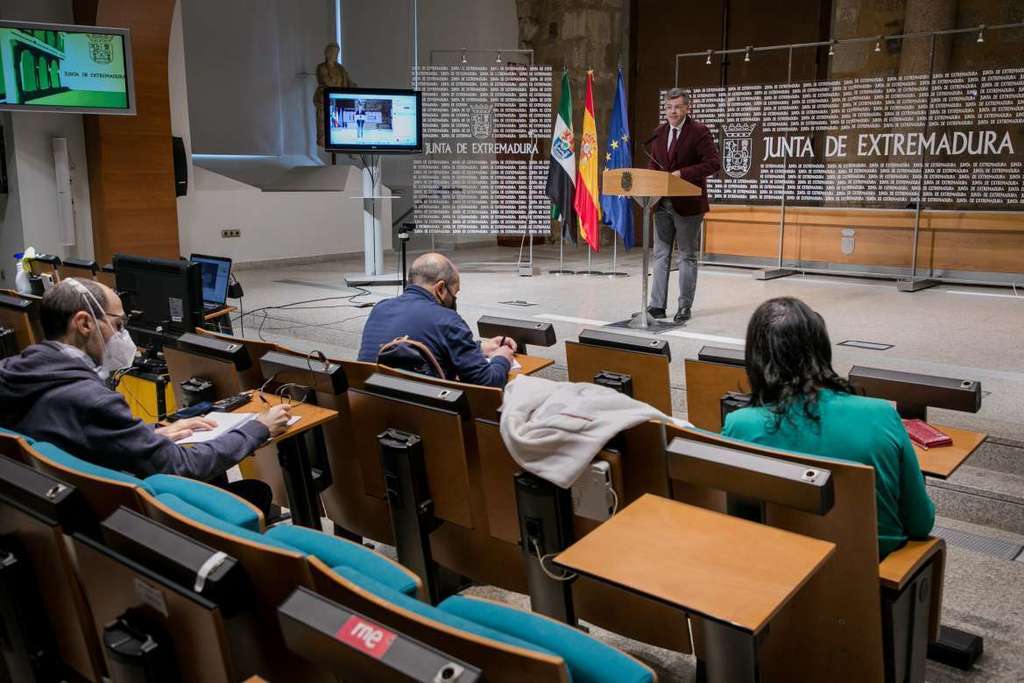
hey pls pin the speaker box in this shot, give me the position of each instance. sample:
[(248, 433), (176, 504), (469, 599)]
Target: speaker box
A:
[(180, 167)]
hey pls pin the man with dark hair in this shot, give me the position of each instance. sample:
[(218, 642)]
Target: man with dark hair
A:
[(425, 313), (55, 391), (685, 148)]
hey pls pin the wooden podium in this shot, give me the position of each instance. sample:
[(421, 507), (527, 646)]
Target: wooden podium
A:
[(647, 187)]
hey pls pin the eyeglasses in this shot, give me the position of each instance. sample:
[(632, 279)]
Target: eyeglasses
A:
[(116, 322)]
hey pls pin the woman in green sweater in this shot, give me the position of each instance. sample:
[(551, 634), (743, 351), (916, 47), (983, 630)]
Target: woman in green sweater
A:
[(799, 403)]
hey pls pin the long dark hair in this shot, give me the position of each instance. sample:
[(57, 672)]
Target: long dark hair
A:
[(789, 357)]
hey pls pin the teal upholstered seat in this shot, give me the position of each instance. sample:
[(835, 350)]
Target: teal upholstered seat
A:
[(336, 552), (589, 660), (62, 457), (10, 432), (218, 502), (186, 509), (430, 612), (328, 549)]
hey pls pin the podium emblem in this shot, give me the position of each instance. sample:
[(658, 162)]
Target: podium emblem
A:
[(627, 181), (738, 149)]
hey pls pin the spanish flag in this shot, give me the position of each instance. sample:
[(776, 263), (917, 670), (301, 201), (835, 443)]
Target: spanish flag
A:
[(588, 209)]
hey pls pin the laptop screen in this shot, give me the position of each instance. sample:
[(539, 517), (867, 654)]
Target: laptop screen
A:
[(215, 272)]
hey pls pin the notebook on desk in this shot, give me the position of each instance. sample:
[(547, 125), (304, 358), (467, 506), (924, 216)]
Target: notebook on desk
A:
[(225, 423)]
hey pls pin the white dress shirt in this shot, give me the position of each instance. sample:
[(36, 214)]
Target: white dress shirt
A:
[(679, 133)]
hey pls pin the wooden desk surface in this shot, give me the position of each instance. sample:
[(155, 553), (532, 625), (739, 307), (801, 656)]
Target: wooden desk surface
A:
[(531, 364), (945, 460), (227, 310), (721, 567), (312, 416)]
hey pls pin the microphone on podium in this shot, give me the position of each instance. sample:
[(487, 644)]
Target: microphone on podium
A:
[(654, 134), (649, 141)]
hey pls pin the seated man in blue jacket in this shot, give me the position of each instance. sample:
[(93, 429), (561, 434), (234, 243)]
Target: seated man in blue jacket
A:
[(54, 391), (425, 313)]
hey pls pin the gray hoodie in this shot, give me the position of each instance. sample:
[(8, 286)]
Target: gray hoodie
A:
[(52, 396)]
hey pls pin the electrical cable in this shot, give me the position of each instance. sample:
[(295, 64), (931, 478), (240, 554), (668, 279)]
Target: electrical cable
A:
[(115, 379), (541, 558), (297, 305)]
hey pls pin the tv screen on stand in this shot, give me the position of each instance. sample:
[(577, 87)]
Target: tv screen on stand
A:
[(65, 68), (372, 121)]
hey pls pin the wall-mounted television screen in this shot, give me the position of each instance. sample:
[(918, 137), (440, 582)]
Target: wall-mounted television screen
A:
[(372, 121), (64, 68)]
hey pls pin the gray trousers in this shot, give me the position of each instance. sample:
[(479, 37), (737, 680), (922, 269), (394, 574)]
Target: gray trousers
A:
[(670, 227)]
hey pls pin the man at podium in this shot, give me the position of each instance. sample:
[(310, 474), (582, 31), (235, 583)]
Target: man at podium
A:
[(685, 148)]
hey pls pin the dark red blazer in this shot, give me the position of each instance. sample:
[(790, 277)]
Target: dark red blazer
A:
[(696, 158)]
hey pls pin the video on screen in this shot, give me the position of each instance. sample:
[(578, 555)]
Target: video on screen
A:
[(46, 68), (372, 121)]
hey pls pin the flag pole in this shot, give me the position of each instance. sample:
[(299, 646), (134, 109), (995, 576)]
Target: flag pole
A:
[(615, 249), (561, 270), (590, 256)]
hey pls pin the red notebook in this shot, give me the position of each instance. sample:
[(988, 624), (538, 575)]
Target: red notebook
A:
[(925, 435)]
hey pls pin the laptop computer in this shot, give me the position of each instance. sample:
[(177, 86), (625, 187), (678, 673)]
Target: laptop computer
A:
[(216, 274)]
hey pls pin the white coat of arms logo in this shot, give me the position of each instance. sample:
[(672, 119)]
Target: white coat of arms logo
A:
[(738, 149), (481, 116)]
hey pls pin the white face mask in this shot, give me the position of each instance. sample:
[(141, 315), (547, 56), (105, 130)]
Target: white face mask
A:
[(118, 351)]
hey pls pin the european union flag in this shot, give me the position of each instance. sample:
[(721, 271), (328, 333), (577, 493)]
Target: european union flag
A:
[(616, 211)]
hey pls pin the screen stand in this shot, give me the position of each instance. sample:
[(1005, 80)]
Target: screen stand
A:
[(373, 232)]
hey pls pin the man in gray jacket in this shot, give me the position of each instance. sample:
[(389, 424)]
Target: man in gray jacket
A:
[(53, 391)]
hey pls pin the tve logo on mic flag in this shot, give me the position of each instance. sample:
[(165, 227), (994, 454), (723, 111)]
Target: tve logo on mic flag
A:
[(587, 208), (617, 211)]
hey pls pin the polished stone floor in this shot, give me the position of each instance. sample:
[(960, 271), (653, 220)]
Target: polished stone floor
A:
[(950, 330)]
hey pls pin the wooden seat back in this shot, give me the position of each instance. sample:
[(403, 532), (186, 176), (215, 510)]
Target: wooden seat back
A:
[(838, 611), (441, 432), (45, 549), (635, 470), (274, 573), (226, 378), (706, 383), (200, 636), (256, 348), (500, 663), (650, 372), (21, 314), (74, 270), (102, 496)]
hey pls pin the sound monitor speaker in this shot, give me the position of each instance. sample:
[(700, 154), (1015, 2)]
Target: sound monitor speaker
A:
[(178, 558), (522, 331), (306, 371), (625, 342), (722, 354), (423, 393), (84, 264), (914, 393), (233, 352), (180, 167)]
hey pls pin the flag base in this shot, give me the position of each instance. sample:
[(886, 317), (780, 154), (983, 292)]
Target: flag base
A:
[(654, 326), (643, 320)]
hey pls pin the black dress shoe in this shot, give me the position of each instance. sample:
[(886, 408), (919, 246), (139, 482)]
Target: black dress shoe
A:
[(656, 312), (682, 315)]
